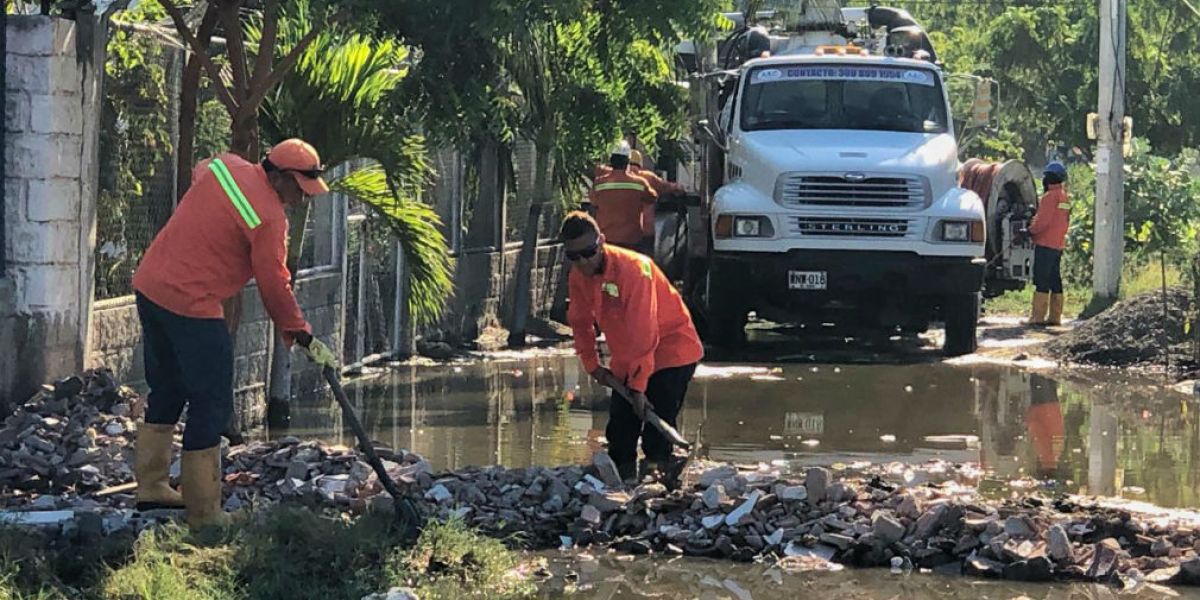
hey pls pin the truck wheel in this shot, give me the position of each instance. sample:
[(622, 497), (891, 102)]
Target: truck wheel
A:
[(724, 320), (962, 321)]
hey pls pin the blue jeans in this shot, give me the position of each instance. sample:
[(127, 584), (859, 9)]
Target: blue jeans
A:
[(189, 362)]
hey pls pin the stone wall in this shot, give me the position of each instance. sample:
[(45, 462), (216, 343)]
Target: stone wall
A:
[(51, 112)]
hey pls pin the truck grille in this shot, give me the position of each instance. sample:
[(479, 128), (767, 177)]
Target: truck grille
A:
[(851, 189), (842, 227)]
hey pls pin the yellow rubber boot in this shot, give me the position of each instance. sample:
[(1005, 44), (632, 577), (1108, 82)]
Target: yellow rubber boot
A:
[(152, 467), (202, 488), (1041, 306), (1056, 309)]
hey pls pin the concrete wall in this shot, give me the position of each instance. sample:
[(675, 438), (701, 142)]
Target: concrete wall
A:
[(484, 287), (51, 110), (117, 342)]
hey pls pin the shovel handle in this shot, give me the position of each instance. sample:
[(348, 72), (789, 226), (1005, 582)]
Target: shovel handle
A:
[(652, 417), (404, 508)]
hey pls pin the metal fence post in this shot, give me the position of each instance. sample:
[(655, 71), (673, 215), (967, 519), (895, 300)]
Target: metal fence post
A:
[(402, 330)]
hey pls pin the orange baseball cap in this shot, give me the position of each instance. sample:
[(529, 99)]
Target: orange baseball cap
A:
[(301, 159)]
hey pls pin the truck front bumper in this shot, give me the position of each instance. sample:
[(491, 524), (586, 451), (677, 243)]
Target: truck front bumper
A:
[(848, 274)]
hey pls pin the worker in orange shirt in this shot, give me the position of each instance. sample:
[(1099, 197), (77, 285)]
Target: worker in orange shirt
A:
[(229, 226), (649, 332), (662, 189), (619, 198), (1049, 231)]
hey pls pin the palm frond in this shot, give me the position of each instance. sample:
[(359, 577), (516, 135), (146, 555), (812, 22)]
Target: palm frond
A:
[(417, 226)]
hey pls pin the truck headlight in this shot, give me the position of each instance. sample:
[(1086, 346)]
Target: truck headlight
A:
[(962, 231), (728, 226)]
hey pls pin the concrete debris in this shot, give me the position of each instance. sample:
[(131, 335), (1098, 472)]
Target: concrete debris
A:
[(721, 511), (70, 441), (394, 594)]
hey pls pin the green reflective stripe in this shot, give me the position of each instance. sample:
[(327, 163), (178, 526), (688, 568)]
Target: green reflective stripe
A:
[(603, 187), (647, 271), (225, 178)]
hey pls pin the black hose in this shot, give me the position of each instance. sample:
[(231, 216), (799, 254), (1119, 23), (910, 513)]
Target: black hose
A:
[(896, 18)]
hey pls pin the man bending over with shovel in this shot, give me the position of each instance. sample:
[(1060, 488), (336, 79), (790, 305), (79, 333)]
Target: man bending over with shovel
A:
[(229, 226), (650, 334)]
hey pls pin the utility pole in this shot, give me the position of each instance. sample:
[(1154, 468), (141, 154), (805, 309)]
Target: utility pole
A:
[(1110, 162)]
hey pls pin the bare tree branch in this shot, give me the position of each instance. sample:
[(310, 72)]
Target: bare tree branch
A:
[(266, 46), (260, 91), (236, 41), (201, 54)]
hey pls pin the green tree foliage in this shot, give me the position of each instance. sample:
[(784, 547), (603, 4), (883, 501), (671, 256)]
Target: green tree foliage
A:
[(568, 74), (341, 97), (1045, 57)]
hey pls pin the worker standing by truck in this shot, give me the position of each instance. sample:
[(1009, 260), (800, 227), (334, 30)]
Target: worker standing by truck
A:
[(649, 331), (1049, 231), (662, 189), (619, 197), (229, 226)]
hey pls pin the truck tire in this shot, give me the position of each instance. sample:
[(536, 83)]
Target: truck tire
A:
[(962, 321), (725, 318)]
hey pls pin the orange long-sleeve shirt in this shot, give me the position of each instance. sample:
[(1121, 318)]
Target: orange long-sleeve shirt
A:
[(644, 320), (1053, 218), (229, 226), (619, 197), (662, 187)]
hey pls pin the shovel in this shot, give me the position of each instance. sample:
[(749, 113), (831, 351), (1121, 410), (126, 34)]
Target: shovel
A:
[(406, 514), (651, 417)]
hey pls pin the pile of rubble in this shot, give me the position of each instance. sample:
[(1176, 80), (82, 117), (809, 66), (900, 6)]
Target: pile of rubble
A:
[(332, 477), (71, 440), (747, 514)]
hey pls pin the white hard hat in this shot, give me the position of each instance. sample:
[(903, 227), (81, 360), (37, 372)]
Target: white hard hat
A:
[(622, 149)]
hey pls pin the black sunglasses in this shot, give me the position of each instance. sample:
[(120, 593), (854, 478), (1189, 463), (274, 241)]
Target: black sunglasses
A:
[(588, 252), (309, 173)]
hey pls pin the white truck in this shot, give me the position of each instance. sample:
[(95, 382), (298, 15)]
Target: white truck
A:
[(828, 180)]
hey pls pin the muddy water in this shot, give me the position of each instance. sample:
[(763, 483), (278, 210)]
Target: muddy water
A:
[(1092, 434), (1095, 434)]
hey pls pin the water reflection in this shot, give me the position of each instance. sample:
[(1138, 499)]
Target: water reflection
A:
[(1101, 435), (608, 577)]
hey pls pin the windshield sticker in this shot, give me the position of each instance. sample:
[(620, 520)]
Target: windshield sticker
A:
[(916, 76)]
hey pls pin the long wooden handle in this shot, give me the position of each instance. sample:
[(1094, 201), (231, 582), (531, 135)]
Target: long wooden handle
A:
[(651, 417), (404, 508)]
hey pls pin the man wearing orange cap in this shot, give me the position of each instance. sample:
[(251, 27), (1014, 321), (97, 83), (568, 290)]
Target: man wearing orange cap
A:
[(229, 226)]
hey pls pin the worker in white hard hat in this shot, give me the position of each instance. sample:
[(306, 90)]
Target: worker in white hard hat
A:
[(619, 197)]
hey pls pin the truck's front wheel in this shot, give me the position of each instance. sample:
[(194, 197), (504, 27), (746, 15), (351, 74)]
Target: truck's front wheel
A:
[(962, 321), (724, 316)]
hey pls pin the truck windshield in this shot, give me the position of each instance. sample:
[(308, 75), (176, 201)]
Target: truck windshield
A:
[(844, 97)]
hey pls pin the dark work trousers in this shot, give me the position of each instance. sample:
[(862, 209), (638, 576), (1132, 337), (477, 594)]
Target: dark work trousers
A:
[(1047, 270), (189, 362), (665, 391)]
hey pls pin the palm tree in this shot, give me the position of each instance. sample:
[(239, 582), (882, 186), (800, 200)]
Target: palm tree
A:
[(342, 97)]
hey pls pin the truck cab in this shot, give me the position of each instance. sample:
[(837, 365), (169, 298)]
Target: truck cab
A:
[(828, 177)]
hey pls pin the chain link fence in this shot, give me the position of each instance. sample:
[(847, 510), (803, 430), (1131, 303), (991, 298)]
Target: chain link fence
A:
[(138, 136), (139, 140)]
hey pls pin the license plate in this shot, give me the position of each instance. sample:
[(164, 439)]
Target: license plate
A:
[(808, 280), (800, 423)]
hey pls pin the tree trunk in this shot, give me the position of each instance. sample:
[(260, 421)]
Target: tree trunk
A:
[(280, 387), (543, 172), (189, 102)]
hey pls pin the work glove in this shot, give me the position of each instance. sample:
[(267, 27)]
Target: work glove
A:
[(603, 376), (320, 354)]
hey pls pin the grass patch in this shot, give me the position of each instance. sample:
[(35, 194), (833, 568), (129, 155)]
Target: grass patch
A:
[(1135, 282), (280, 553)]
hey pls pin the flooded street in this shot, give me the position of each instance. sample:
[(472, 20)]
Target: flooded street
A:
[(1085, 433)]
